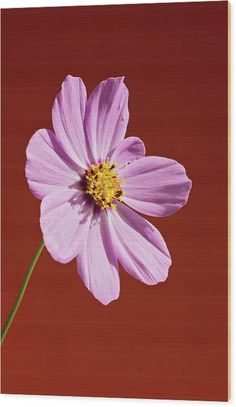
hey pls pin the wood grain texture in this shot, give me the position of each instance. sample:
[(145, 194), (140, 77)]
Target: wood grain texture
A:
[(165, 341)]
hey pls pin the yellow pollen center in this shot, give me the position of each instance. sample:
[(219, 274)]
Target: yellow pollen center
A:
[(103, 184)]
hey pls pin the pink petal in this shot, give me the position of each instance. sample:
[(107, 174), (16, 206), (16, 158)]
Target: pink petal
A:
[(47, 167), (127, 150), (139, 246), (97, 263), (106, 117), (155, 186), (68, 119), (65, 216)]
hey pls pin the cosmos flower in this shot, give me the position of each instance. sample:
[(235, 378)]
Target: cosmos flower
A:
[(92, 180)]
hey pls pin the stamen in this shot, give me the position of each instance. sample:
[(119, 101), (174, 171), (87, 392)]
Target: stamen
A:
[(103, 184)]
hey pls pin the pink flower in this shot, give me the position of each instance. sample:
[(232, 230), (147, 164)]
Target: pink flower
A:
[(89, 176)]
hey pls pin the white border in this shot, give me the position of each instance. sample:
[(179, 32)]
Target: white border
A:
[(26, 401), (56, 3)]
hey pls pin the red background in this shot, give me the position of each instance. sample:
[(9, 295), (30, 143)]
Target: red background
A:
[(165, 341)]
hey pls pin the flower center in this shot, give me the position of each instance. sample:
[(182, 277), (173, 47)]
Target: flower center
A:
[(103, 184)]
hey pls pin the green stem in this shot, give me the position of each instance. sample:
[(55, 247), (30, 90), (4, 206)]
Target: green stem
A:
[(21, 291)]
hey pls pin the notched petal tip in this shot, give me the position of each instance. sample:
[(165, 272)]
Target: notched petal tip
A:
[(165, 270), (107, 301), (140, 145), (189, 185), (69, 77), (115, 78)]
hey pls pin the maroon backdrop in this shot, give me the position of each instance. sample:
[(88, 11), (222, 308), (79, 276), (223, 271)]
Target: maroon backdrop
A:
[(165, 341)]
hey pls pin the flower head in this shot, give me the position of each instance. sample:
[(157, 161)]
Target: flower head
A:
[(103, 185), (90, 178)]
